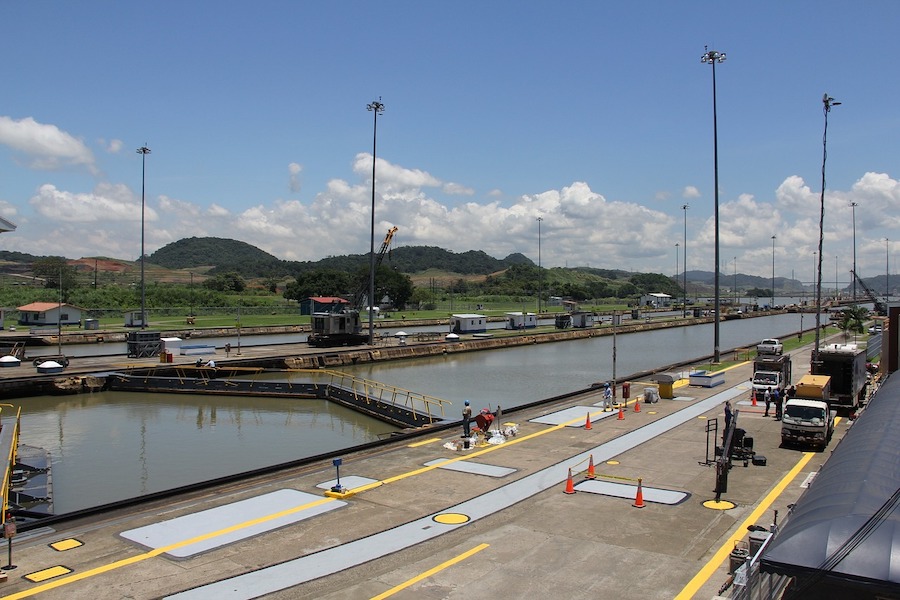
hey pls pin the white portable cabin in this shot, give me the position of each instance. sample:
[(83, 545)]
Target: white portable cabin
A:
[(520, 320), (468, 323), (133, 319), (582, 319)]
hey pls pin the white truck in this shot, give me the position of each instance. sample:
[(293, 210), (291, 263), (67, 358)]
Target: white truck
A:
[(807, 418), (771, 372), (770, 346)]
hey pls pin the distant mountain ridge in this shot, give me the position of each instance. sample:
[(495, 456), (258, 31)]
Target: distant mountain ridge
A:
[(220, 255)]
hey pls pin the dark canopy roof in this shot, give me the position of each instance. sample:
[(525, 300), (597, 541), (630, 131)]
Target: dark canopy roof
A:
[(845, 529)]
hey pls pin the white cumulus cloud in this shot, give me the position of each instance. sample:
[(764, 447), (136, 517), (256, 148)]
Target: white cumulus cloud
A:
[(44, 147)]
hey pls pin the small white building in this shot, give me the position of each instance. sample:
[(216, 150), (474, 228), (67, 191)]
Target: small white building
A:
[(520, 320), (133, 319), (39, 314), (582, 319), (656, 300), (468, 323)]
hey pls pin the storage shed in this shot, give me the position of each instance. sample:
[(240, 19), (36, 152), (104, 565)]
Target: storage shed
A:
[(656, 300), (468, 323)]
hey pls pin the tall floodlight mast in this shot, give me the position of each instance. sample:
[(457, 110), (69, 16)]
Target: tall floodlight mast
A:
[(712, 57)]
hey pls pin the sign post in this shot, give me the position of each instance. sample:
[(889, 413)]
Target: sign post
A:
[(9, 531)]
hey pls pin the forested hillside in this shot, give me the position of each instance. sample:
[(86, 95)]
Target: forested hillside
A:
[(223, 255)]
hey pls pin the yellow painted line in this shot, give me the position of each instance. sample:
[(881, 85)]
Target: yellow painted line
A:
[(161, 550), (68, 544), (724, 551), (46, 574), (430, 572), (423, 442)]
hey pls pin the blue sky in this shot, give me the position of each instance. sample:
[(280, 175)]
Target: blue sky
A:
[(594, 116)]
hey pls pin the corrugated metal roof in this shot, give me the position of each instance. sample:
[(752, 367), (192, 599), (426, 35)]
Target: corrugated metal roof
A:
[(845, 529)]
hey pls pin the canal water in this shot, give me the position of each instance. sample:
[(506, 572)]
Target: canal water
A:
[(111, 446)]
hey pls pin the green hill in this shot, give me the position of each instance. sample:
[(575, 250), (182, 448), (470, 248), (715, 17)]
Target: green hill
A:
[(222, 255)]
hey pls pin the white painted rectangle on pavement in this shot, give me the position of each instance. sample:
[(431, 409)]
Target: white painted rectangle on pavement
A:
[(472, 467), (574, 413), (253, 511), (626, 490)]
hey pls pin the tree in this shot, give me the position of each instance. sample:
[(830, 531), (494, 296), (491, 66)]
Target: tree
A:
[(57, 274), (393, 284), (321, 282), (760, 293), (226, 282), (852, 319)]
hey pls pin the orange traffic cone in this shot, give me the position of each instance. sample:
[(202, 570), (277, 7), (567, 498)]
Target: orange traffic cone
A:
[(587, 421), (570, 485), (753, 397), (621, 414), (639, 498), (590, 473), (637, 406)]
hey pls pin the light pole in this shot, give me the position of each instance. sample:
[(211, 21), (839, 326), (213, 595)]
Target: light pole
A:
[(376, 108), (887, 271), (773, 273), (827, 103), (684, 207), (676, 262), (143, 151), (540, 273), (836, 293), (735, 281), (853, 206), (712, 57)]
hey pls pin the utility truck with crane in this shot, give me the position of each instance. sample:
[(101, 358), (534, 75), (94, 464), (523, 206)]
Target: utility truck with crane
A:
[(342, 327)]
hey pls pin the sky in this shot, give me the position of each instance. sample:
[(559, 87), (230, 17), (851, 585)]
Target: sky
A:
[(594, 117)]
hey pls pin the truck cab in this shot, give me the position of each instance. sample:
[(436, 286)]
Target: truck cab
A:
[(807, 422)]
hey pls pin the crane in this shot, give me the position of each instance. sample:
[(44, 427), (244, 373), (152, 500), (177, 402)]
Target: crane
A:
[(363, 288), (880, 307)]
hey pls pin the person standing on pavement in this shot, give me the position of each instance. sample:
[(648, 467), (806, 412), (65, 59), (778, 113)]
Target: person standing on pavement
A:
[(767, 396), (607, 398), (467, 417), (776, 398), (728, 416)]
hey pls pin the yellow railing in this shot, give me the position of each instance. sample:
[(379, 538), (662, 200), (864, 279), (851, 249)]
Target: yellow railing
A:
[(10, 460), (418, 404)]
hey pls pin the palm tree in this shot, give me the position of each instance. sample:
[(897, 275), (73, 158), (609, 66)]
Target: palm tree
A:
[(852, 319)]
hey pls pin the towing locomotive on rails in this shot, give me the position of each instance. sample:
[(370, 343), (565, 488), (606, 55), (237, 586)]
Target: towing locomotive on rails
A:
[(341, 326)]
